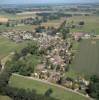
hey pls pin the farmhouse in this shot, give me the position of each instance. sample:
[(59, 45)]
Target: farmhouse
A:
[(78, 35)]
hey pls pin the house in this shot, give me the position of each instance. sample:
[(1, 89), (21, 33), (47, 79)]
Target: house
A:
[(87, 36), (78, 35)]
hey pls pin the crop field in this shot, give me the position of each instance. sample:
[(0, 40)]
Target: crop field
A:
[(61, 94), (86, 60), (3, 20), (53, 23), (91, 23), (16, 16), (8, 46)]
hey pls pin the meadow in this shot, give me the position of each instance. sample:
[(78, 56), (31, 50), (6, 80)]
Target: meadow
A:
[(7, 46), (91, 23), (86, 59), (4, 98), (41, 88)]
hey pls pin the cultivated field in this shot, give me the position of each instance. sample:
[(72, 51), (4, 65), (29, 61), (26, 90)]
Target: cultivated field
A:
[(53, 23), (61, 94), (86, 60), (3, 19)]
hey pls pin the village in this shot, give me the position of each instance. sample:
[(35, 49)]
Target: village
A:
[(58, 55)]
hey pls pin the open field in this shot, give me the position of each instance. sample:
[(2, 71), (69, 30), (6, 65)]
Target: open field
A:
[(61, 94), (91, 23), (3, 20), (53, 23), (4, 98), (20, 27), (8, 46), (16, 16), (86, 60)]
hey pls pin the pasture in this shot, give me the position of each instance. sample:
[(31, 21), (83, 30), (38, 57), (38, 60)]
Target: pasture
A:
[(41, 88), (4, 98), (7, 46), (91, 23), (86, 59)]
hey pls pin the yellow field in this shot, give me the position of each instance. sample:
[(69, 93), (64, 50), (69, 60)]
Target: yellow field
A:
[(3, 19)]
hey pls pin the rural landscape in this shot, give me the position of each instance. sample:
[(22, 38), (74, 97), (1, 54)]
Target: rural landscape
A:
[(49, 51)]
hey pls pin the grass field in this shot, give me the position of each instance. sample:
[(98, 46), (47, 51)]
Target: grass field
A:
[(4, 98), (20, 27), (86, 60), (8, 46), (16, 16), (20, 82), (91, 23)]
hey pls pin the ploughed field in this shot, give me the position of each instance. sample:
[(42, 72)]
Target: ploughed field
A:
[(86, 60)]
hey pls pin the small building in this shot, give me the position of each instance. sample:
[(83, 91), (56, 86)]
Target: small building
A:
[(77, 36)]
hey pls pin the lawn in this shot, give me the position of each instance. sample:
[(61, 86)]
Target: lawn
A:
[(8, 46), (86, 60), (91, 23), (61, 94), (4, 98)]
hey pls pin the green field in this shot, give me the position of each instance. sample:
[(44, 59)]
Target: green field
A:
[(61, 94), (8, 46), (86, 60), (20, 27), (91, 23), (4, 98)]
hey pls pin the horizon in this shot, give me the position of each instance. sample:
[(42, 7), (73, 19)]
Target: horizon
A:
[(48, 1)]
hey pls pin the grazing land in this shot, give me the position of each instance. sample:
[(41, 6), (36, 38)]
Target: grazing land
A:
[(7, 46), (86, 59), (61, 94), (4, 98), (91, 23)]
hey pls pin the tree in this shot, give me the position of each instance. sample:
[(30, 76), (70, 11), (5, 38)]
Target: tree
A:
[(7, 24), (93, 88), (81, 23), (48, 92), (65, 32)]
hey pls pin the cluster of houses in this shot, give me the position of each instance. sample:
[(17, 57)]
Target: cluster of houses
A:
[(80, 35), (57, 57), (17, 36), (56, 60)]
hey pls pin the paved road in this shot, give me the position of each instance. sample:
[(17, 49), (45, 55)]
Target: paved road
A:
[(56, 85)]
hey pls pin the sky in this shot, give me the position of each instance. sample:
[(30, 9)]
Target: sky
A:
[(45, 1)]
